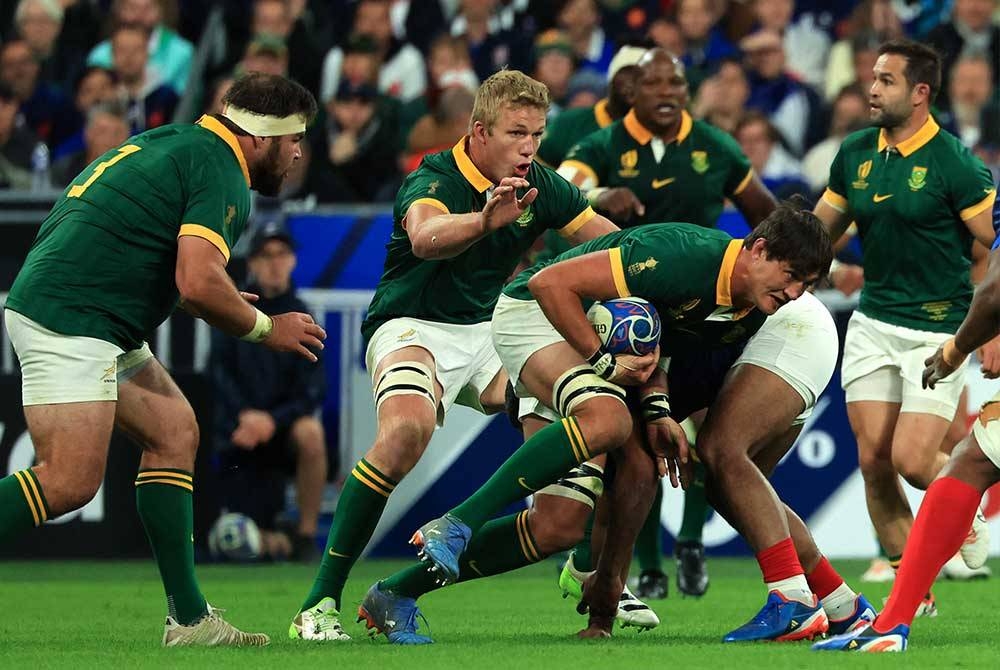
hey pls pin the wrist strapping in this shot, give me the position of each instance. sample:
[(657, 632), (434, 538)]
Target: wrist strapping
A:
[(603, 363), (262, 328), (655, 406)]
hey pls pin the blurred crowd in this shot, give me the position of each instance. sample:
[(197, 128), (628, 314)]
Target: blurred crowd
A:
[(396, 78)]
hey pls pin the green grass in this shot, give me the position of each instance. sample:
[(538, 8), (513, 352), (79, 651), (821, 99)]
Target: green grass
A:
[(109, 615)]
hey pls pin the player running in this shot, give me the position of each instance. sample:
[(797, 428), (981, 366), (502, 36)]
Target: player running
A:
[(148, 222), (919, 199), (462, 221)]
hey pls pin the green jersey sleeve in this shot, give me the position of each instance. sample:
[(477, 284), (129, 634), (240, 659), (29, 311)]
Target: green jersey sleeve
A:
[(430, 187), (740, 171), (590, 156), (970, 186), (646, 266), (560, 205), (836, 189), (211, 211)]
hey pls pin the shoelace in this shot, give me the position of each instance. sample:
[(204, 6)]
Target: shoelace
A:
[(326, 621), (410, 624)]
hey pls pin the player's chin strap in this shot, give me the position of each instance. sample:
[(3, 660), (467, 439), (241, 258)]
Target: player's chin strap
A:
[(265, 125)]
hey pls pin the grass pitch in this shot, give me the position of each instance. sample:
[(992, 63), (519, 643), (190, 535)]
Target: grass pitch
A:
[(109, 615)]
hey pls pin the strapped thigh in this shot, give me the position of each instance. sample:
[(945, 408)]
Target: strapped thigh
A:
[(405, 378), (579, 384)]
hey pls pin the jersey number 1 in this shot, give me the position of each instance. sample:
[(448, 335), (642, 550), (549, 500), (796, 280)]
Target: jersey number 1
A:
[(77, 190)]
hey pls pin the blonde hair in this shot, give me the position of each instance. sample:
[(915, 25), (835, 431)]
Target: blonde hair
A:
[(507, 88)]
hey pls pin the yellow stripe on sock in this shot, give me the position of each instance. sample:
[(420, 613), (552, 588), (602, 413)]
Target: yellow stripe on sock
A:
[(38, 495), (164, 473), (579, 436), (528, 538), (374, 487), (520, 535), (572, 441), (375, 476), (27, 496), (170, 482)]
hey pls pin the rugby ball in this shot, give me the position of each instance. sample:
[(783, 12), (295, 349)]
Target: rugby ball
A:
[(234, 537), (626, 325)]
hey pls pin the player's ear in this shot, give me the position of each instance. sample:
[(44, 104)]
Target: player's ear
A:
[(758, 250), (479, 132)]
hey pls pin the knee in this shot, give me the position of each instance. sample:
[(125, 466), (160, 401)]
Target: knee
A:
[(874, 462), (606, 424), (181, 439), (915, 466), (400, 445), (718, 456), (67, 489), (554, 531), (309, 438)]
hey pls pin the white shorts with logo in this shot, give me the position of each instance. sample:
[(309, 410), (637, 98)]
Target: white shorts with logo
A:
[(57, 368), (884, 362), (798, 343), (464, 360), (986, 429)]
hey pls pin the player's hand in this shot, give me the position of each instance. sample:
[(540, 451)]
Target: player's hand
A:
[(634, 370), (671, 450), (249, 297), (940, 365), (989, 358), (619, 203), (601, 594), (848, 278), (296, 332), (504, 206)]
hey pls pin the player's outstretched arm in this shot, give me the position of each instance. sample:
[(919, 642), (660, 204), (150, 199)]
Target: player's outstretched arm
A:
[(981, 324), (434, 235), (206, 290), (755, 201)]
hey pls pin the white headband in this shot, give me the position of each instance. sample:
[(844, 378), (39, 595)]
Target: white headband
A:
[(263, 125), (627, 55)]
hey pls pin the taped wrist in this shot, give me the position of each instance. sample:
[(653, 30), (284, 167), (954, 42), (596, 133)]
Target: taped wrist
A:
[(655, 406), (603, 363), (262, 328)]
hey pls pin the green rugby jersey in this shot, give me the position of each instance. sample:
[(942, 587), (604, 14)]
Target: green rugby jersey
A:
[(464, 289), (684, 270), (909, 203), (567, 129), (103, 263), (685, 180)]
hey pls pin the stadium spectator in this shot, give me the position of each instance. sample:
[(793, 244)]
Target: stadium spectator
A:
[(704, 43), (789, 104), (440, 129), (218, 90), (580, 21), (401, 74), (149, 102), (267, 402), (106, 128), (287, 21), (722, 98), (806, 45), (871, 23), (586, 88), (356, 158), (45, 109), (447, 58), (761, 142), (971, 30), (16, 144), (39, 23), (665, 34), (554, 66), (169, 54), (490, 34), (850, 113), (265, 54), (973, 114), (93, 86)]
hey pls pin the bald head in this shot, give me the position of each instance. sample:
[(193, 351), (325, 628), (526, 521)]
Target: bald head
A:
[(658, 56), (661, 92)]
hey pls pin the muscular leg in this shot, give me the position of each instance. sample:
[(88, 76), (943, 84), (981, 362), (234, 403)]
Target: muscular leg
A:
[(71, 449), (405, 426), (310, 471), (154, 412)]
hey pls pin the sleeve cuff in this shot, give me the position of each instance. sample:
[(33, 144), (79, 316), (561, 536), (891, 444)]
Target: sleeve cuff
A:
[(835, 200), (743, 184), (437, 204), (618, 272), (578, 222), (979, 207), (197, 230)]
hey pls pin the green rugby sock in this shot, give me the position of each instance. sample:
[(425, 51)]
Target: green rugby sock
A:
[(22, 504), (649, 543), (541, 460), (695, 508), (501, 545), (583, 556), (359, 509), (163, 498)]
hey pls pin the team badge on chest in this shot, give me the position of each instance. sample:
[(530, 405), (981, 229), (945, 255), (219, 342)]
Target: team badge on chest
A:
[(918, 178), (699, 161)]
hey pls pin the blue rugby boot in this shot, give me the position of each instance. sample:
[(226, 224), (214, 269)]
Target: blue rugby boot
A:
[(393, 615), (782, 620), (441, 542), (867, 640)]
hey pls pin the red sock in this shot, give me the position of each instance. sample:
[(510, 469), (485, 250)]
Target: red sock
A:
[(824, 580), (780, 561), (941, 526)]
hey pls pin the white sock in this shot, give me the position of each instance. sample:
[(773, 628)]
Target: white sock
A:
[(794, 588), (840, 603)]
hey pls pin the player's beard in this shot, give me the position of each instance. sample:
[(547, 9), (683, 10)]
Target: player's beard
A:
[(267, 176), (892, 117)]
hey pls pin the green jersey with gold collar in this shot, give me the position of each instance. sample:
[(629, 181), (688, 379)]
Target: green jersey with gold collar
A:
[(464, 289), (104, 260), (684, 270), (568, 127), (910, 203)]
